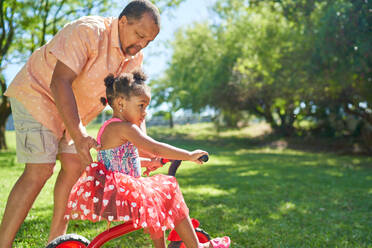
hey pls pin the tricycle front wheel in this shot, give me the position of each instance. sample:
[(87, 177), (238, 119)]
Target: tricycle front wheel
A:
[(69, 241)]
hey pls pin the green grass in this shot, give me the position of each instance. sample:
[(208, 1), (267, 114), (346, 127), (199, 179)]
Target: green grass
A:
[(258, 195)]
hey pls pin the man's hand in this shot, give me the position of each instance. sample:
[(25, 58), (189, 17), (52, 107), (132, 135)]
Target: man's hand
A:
[(83, 146)]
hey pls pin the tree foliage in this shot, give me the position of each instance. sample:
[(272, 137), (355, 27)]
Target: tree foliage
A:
[(25, 25), (289, 62)]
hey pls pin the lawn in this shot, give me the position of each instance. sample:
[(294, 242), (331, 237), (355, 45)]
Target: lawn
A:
[(259, 195)]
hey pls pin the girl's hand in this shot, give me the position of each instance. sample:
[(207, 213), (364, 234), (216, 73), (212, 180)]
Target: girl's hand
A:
[(152, 165), (195, 155)]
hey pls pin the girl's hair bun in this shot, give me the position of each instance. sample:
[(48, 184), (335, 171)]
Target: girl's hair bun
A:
[(109, 80), (139, 75), (125, 79), (103, 101)]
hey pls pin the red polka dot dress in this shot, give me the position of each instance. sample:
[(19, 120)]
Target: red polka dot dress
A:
[(112, 189)]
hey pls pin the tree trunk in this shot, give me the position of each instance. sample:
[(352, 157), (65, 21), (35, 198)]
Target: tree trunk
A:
[(3, 145), (4, 114), (287, 119), (171, 123)]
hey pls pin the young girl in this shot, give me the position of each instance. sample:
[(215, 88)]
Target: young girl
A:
[(112, 189)]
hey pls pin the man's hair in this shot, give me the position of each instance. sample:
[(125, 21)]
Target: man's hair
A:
[(136, 8)]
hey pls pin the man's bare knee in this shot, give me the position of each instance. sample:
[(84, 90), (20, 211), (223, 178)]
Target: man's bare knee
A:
[(38, 173), (71, 164)]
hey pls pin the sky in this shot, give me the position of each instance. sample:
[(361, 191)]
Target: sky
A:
[(158, 54)]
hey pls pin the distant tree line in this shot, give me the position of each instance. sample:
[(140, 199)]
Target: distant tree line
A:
[(304, 66)]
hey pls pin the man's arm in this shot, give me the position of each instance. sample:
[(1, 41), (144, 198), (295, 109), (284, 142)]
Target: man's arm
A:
[(61, 87)]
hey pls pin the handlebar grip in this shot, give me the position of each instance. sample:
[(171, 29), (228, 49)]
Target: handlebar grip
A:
[(163, 161), (204, 158)]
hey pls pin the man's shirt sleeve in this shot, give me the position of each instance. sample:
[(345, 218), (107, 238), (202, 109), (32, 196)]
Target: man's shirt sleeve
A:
[(75, 44)]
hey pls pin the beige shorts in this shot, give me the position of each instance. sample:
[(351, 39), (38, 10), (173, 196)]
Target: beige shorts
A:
[(35, 143)]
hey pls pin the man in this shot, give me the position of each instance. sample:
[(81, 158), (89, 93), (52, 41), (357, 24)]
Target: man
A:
[(57, 93)]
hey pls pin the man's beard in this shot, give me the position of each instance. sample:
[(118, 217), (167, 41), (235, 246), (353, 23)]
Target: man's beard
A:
[(129, 50)]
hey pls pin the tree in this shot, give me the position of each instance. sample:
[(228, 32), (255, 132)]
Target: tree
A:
[(33, 23), (343, 60), (284, 60), (270, 73), (245, 64), (182, 85), (163, 94), (7, 12)]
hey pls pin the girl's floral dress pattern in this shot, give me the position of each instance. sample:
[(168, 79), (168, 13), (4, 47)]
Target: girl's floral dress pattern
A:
[(112, 189)]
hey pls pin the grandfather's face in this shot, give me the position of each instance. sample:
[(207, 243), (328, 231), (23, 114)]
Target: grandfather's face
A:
[(137, 34)]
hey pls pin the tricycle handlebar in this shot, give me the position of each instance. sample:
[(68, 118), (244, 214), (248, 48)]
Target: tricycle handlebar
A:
[(176, 163)]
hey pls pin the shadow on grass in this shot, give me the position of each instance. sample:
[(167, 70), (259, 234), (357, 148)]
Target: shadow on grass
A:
[(259, 197), (259, 200), (271, 200)]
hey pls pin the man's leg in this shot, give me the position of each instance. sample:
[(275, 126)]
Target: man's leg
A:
[(21, 198), (71, 170)]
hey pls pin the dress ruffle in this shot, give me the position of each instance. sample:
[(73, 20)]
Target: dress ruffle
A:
[(154, 203)]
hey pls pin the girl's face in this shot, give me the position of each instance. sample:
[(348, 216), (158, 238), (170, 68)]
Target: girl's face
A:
[(134, 108)]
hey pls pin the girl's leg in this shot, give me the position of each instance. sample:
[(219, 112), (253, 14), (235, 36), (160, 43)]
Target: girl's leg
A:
[(159, 243), (187, 233)]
